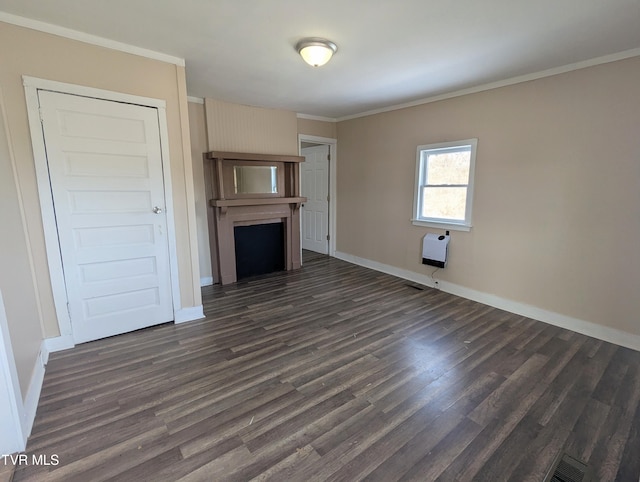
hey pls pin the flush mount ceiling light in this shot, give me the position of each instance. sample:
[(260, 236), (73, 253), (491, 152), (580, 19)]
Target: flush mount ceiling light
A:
[(316, 51)]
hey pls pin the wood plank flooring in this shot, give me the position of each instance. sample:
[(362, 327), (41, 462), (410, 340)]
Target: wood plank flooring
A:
[(336, 372), (6, 470)]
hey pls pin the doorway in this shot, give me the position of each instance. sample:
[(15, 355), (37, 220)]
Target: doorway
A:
[(317, 184)]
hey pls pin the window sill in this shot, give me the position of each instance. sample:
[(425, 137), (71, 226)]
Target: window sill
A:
[(443, 225)]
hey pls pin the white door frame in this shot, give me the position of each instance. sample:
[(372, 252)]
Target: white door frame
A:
[(13, 436), (31, 87), (333, 199)]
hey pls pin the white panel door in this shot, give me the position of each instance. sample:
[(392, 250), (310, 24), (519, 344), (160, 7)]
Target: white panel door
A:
[(315, 187), (106, 175)]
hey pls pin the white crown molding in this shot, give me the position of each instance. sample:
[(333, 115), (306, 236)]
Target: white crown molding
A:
[(316, 117), (588, 328), (627, 54), (195, 100), (88, 38)]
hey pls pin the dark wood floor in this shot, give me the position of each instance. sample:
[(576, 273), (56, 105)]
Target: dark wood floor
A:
[(335, 372)]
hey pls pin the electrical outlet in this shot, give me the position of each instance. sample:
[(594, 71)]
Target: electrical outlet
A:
[(436, 284)]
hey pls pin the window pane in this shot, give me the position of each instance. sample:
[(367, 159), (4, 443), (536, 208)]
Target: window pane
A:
[(444, 202), (448, 167)]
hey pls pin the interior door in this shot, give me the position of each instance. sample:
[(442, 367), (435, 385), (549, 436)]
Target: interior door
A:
[(315, 187), (105, 168)]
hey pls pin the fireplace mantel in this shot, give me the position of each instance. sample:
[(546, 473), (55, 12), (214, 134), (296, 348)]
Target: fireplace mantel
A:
[(245, 189)]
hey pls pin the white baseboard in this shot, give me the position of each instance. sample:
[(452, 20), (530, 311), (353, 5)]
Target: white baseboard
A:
[(588, 328), (12, 427), (189, 314), (33, 392), (206, 281), (388, 269), (59, 343)]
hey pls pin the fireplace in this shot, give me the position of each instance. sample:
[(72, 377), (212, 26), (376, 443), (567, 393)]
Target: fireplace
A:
[(259, 249), (253, 199)]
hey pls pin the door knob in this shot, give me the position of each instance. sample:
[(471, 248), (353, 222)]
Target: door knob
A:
[(157, 210)]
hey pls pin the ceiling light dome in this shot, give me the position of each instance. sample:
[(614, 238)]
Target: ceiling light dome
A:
[(316, 51)]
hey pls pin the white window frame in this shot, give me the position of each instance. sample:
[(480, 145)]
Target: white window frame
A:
[(443, 223)]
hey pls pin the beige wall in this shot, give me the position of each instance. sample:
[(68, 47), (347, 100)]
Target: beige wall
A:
[(317, 128), (243, 128), (556, 214), (27, 52), (198, 130), (17, 282)]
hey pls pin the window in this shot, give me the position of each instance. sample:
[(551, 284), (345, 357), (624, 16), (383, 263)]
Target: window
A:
[(444, 184)]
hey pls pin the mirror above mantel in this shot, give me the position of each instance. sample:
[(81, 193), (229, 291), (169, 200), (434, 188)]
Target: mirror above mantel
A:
[(251, 179), (255, 180)]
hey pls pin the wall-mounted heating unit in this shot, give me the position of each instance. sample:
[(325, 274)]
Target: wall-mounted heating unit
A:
[(435, 249)]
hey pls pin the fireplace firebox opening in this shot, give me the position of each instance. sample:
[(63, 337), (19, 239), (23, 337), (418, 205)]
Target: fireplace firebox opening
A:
[(260, 249)]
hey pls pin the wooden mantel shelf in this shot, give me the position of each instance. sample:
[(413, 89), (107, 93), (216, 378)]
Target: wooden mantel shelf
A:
[(256, 202), (245, 156)]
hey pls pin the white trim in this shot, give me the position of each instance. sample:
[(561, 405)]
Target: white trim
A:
[(59, 343), (420, 177), (44, 353), (33, 392), (195, 100), (441, 225), (13, 439), (31, 86), (605, 333), (588, 328), (46, 209), (316, 117), (316, 139), (206, 281), (171, 224), (605, 59), (191, 313), (36, 83), (88, 38), (386, 268), (333, 183)]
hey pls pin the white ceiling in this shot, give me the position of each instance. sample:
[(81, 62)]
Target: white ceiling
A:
[(389, 52)]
